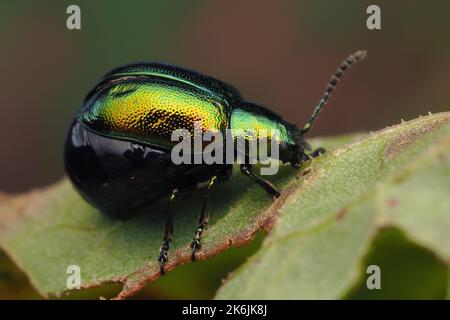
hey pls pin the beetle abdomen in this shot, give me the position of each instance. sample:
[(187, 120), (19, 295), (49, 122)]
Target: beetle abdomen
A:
[(119, 177)]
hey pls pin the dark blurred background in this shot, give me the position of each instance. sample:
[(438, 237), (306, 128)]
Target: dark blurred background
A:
[(278, 53)]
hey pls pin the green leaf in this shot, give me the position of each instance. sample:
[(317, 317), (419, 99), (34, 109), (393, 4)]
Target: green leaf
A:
[(324, 223), (396, 178), (47, 230)]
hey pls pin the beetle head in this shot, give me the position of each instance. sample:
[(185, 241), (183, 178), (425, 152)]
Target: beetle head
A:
[(297, 153)]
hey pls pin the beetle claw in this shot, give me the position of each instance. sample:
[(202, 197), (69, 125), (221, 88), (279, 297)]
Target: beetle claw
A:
[(163, 258), (317, 152), (195, 245), (161, 267), (276, 195)]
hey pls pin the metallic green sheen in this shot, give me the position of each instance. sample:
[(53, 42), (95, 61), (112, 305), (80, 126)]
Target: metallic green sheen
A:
[(252, 122), (150, 109)]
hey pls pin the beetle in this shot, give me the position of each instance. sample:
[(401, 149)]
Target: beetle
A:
[(118, 149)]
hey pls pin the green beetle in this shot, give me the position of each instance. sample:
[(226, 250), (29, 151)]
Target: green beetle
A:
[(118, 149)]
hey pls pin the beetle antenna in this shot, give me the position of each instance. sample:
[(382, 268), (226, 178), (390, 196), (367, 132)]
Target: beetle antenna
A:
[(358, 55)]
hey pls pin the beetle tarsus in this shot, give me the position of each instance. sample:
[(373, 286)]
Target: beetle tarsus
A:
[(196, 241), (168, 234), (318, 152), (203, 219), (196, 244), (269, 187), (163, 256)]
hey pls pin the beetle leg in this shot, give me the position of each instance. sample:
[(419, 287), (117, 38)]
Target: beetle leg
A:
[(203, 220), (168, 233), (318, 152), (270, 188)]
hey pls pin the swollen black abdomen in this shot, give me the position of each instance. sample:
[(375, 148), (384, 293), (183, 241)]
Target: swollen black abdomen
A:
[(119, 177)]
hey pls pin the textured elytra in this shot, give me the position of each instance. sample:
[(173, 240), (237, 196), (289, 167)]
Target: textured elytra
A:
[(141, 110)]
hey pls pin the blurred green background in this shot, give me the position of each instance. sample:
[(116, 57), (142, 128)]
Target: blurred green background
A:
[(278, 53)]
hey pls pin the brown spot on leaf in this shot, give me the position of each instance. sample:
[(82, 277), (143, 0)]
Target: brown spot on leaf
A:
[(392, 202), (305, 172), (340, 215)]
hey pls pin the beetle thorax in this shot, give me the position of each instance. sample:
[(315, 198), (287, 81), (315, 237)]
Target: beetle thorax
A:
[(252, 122)]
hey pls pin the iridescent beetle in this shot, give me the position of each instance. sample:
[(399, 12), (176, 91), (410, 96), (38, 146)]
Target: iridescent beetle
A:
[(118, 149)]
